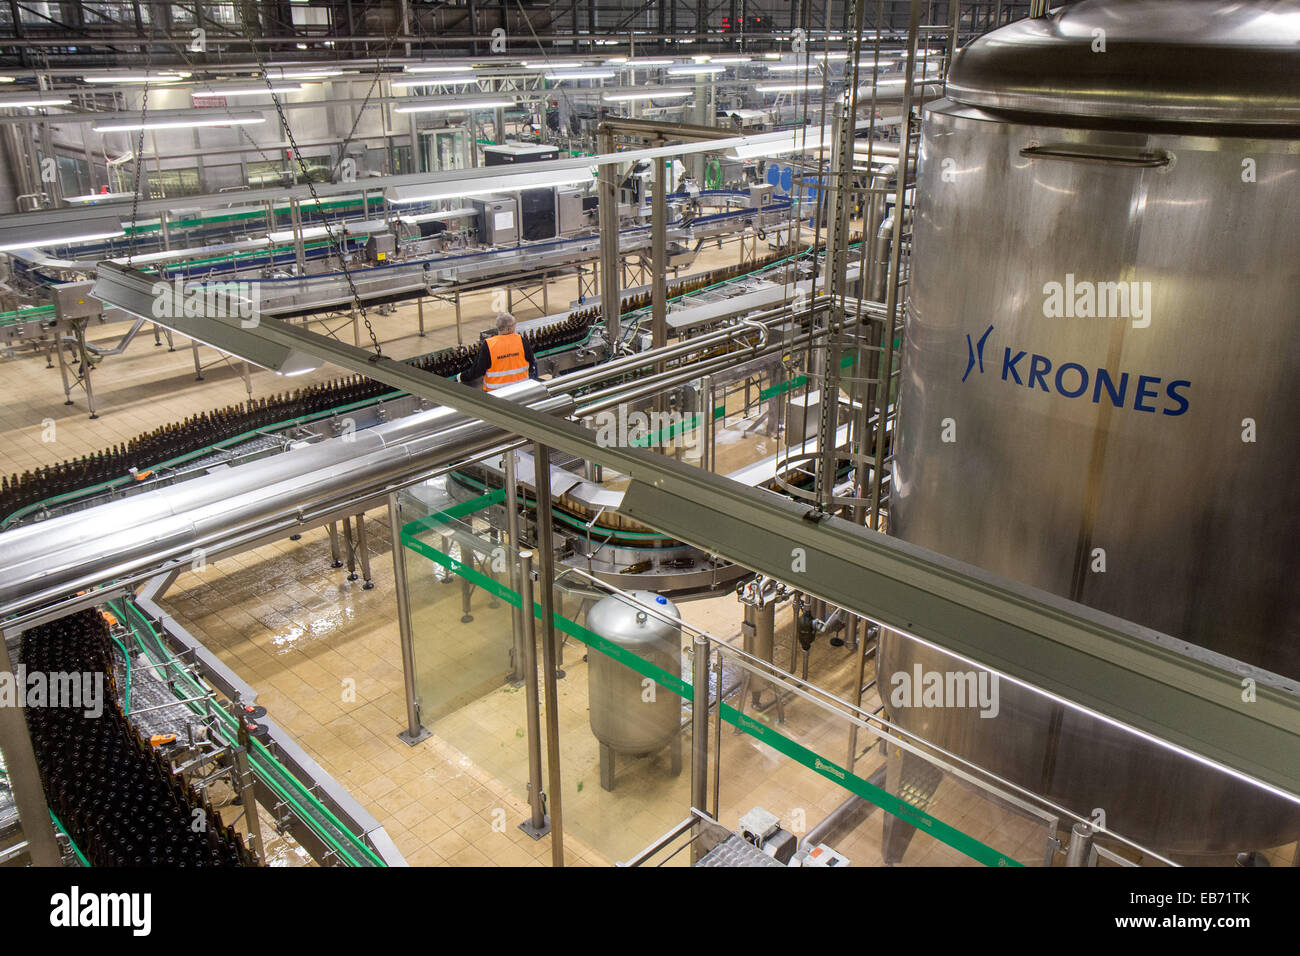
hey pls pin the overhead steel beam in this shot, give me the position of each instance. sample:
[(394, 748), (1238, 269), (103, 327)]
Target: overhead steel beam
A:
[(1138, 677)]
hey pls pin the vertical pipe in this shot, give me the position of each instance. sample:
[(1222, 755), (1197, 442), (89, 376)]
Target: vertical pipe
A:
[(658, 279), (885, 387), (25, 778), (335, 560), (717, 743), (413, 733), (1080, 852), (347, 547), (518, 668), (546, 552), (244, 781), (700, 730), (610, 297), (80, 329), (856, 696), (537, 825), (708, 453), (363, 553)]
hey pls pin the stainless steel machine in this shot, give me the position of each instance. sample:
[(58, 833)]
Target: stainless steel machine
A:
[(629, 714), (1105, 276)]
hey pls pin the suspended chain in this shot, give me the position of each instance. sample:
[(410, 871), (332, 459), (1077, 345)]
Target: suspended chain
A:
[(311, 186), (837, 241), (138, 160)]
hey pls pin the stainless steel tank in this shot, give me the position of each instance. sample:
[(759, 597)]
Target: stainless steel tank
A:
[(630, 715), (1104, 299)]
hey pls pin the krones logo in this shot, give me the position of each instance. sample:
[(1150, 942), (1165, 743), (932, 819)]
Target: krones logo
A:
[(1121, 389)]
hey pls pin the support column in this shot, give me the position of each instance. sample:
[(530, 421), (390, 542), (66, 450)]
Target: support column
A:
[(414, 732), (518, 669), (546, 553), (1080, 852), (537, 825), (363, 553), (25, 778), (700, 730), (610, 295), (658, 279)]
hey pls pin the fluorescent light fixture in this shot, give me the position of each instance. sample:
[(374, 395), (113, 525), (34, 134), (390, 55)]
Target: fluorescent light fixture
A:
[(7, 79), (116, 78), (637, 64), (247, 91), (60, 233), (698, 69), (785, 141), (434, 81), (287, 235), (729, 59), (482, 186), (67, 241), (787, 87), (771, 56), (32, 101), (445, 106), (99, 197), (616, 61), (793, 67), (553, 64), (581, 75), (647, 94), (181, 121), (145, 296), (830, 56), (290, 74), (441, 69)]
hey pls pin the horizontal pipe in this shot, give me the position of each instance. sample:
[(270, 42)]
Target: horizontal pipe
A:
[(74, 550)]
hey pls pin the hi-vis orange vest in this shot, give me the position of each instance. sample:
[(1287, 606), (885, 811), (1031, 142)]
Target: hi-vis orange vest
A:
[(508, 361)]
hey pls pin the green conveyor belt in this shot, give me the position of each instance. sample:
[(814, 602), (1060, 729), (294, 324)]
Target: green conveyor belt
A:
[(349, 847)]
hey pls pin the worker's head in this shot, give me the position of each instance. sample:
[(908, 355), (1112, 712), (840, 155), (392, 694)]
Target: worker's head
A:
[(505, 323)]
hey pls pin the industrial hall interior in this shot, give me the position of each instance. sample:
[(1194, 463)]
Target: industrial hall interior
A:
[(649, 433)]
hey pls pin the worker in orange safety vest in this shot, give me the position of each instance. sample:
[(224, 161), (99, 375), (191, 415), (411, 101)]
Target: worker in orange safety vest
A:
[(503, 358)]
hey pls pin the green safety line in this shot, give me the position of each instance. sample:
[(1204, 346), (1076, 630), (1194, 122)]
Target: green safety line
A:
[(896, 806), (719, 411), (26, 315), (262, 759), (126, 696), (265, 774), (254, 253), (617, 534), (252, 214), (64, 830)]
